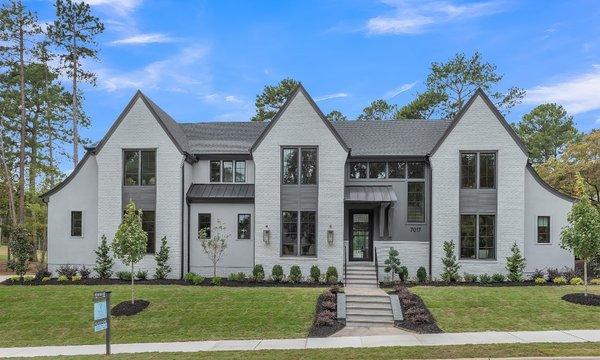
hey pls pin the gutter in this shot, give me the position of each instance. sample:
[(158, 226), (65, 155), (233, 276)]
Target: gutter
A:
[(188, 236), (430, 215), (182, 213)]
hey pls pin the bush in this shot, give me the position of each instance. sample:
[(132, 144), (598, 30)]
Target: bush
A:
[(237, 277), (63, 278), (67, 270), (42, 273), (540, 280), (216, 281), (277, 273), (104, 262), (329, 305), (595, 281), (515, 264), (569, 273), (335, 289), (141, 275), (576, 281), (162, 260), (315, 273), (451, 266), (392, 263), (327, 296), (538, 273), (469, 278), (46, 279), (295, 274), (76, 278), (403, 273), (421, 274), (21, 248), (552, 273), (498, 278), (124, 275), (331, 275), (325, 318), (189, 277), (198, 279), (258, 273), (559, 280), (485, 279), (84, 272), (28, 278)]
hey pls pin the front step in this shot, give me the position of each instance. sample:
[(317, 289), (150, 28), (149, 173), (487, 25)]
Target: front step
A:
[(370, 312), (366, 304)]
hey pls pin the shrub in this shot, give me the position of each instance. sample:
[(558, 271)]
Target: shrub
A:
[(552, 273), (46, 279), (241, 276), (540, 280), (141, 275), (334, 289), (451, 266), (315, 273), (485, 279), (559, 280), (28, 278), (329, 305), (124, 275), (327, 296), (498, 278), (295, 273), (576, 281), (63, 278), (42, 273), (403, 273), (392, 263), (538, 273), (237, 277), (14, 278), (216, 281), (258, 273), (515, 264), (21, 248), (277, 273), (421, 274), (469, 278), (595, 281), (331, 275), (162, 260), (325, 318), (198, 279), (569, 273), (104, 262), (189, 277), (67, 270), (76, 278), (84, 272)]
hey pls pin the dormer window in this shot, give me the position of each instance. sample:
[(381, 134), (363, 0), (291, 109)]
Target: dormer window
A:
[(227, 171), (139, 167)]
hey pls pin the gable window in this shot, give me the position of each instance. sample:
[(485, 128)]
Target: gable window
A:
[(478, 170), (243, 227), (468, 171), (76, 223), (148, 225), (298, 233), (215, 171), (240, 171), (309, 165), (227, 171), (416, 202), (487, 170), (204, 223), (358, 170), (376, 170), (477, 237), (139, 167), (396, 170), (299, 164), (543, 229), (290, 166)]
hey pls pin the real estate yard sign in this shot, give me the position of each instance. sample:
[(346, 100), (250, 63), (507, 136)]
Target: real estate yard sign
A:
[(102, 315)]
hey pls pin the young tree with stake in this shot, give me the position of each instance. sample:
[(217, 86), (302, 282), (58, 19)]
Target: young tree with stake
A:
[(215, 244)]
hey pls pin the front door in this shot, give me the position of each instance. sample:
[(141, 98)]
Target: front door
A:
[(361, 235)]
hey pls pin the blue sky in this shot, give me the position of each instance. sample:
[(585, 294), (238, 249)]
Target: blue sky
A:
[(207, 60)]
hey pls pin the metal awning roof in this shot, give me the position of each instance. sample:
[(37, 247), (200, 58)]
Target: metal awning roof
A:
[(370, 193), (220, 193)]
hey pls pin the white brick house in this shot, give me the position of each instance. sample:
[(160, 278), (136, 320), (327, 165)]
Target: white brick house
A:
[(300, 190)]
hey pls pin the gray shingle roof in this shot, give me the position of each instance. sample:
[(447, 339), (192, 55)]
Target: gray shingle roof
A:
[(222, 137), (174, 128)]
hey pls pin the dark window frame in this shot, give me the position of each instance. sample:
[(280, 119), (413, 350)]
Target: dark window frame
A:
[(478, 235), (210, 171), (209, 232), (385, 170), (74, 228), (140, 173), (248, 235), (299, 173), (403, 171), (548, 234), (423, 167), (366, 170), (298, 241), (232, 168), (151, 234), (478, 169), (404, 165), (235, 171), (424, 200), (462, 170)]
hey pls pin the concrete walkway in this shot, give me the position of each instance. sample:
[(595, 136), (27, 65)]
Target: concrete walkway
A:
[(490, 337)]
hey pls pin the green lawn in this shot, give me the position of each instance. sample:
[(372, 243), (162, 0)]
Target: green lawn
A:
[(59, 315), (462, 308), (380, 353)]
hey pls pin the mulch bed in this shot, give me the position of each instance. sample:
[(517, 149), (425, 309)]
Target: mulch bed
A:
[(444, 284), (126, 308), (416, 316), (581, 299), (319, 330)]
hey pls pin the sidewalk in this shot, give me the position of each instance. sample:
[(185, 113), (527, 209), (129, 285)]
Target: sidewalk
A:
[(472, 338)]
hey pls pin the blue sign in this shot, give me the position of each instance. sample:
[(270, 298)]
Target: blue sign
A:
[(100, 310), (100, 325)]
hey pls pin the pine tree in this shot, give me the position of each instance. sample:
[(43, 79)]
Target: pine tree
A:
[(451, 266), (392, 263), (162, 260), (515, 264), (104, 262)]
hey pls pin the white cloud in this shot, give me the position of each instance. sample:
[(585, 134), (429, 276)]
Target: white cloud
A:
[(577, 94), (399, 90), (414, 16), (122, 7), (141, 39), (332, 96), (232, 99)]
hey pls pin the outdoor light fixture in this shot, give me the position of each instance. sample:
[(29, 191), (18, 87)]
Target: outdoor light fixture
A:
[(267, 235), (330, 236)]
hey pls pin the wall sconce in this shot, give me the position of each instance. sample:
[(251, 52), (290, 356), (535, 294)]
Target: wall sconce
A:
[(267, 235), (330, 236)]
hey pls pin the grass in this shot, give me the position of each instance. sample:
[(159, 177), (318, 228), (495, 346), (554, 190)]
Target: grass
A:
[(382, 353), (62, 315), (466, 308)]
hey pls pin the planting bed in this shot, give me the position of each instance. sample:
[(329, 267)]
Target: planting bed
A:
[(325, 322), (126, 308), (416, 316), (581, 299)]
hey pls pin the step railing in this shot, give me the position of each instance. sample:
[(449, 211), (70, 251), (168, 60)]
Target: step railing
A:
[(345, 272), (376, 267)]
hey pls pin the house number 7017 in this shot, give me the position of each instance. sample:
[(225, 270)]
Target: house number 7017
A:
[(415, 229)]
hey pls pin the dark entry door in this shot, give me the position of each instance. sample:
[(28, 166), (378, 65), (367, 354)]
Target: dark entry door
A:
[(361, 235)]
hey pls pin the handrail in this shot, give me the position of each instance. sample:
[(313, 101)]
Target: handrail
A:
[(345, 265), (376, 267)]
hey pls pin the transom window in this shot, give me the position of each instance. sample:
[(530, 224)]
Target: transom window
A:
[(299, 164), (478, 170), (386, 170), (139, 167), (298, 233), (227, 171), (543, 229), (243, 227), (477, 237), (76, 223)]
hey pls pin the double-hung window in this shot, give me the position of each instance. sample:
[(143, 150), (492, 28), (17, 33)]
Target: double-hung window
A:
[(478, 170), (299, 233), (139, 167), (477, 236), (543, 230), (76, 223)]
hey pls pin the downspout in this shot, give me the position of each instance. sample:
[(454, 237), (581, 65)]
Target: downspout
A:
[(182, 212), (430, 188), (188, 237)]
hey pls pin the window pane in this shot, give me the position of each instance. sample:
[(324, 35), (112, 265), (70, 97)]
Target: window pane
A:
[(204, 223), (309, 166), (396, 170), (468, 171), (308, 243), (486, 236), (148, 225), (227, 171), (487, 171), (290, 166), (148, 167), (416, 202), (467, 236), (377, 170), (289, 239), (243, 229), (543, 229), (131, 168), (416, 170), (76, 223), (215, 171), (240, 171), (358, 170)]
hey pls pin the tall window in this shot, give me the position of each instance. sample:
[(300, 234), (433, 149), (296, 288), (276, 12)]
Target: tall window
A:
[(308, 240), (289, 240), (76, 223), (477, 237), (227, 171), (309, 166), (468, 171), (299, 236), (416, 202), (358, 170), (215, 171), (139, 167), (478, 170), (299, 164), (204, 223), (243, 227), (543, 229), (148, 225), (290, 166), (487, 171), (377, 170), (240, 171)]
